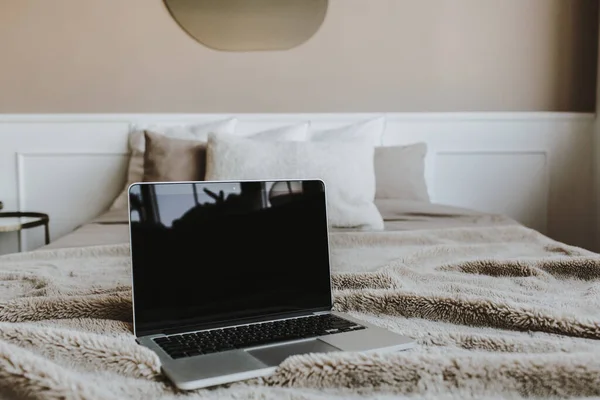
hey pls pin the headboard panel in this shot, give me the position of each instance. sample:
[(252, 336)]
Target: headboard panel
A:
[(535, 167)]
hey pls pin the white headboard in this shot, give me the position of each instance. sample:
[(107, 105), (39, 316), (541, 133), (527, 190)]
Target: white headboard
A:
[(535, 167)]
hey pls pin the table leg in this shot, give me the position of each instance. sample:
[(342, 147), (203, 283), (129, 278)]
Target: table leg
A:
[(47, 232)]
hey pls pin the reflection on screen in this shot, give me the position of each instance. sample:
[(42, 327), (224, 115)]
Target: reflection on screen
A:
[(208, 252)]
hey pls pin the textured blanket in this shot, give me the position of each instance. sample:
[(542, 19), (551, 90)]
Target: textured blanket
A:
[(498, 312)]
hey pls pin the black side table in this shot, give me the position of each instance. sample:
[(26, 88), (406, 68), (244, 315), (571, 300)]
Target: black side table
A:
[(16, 221)]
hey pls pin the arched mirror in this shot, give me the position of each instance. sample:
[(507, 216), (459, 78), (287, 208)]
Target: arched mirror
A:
[(249, 25)]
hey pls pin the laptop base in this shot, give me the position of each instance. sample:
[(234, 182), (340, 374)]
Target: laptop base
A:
[(240, 364)]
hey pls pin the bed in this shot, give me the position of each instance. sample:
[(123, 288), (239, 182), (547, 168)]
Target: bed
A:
[(498, 310)]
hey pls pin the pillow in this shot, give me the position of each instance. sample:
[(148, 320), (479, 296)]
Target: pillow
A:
[(372, 129), (294, 133), (345, 167), (172, 159), (137, 145), (400, 172), (195, 131)]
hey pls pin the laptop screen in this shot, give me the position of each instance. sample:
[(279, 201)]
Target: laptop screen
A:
[(212, 252)]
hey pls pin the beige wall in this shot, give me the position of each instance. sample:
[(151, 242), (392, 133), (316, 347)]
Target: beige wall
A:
[(369, 55)]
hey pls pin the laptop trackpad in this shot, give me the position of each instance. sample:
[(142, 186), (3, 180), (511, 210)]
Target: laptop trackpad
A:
[(274, 355)]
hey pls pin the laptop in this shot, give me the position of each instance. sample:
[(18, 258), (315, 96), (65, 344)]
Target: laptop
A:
[(231, 278)]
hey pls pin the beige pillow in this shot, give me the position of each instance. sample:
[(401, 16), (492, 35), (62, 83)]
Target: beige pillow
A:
[(137, 145), (171, 159), (346, 167), (400, 172), (174, 159)]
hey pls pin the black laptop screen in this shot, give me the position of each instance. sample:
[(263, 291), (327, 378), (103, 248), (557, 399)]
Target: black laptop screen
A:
[(217, 252)]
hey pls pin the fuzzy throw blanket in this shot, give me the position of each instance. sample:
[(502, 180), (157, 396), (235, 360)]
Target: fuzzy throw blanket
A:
[(497, 312)]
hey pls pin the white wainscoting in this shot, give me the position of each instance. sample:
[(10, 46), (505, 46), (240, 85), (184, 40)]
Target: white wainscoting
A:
[(534, 167), (496, 175), (94, 171)]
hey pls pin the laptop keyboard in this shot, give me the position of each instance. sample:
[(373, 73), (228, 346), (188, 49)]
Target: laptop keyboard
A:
[(217, 340)]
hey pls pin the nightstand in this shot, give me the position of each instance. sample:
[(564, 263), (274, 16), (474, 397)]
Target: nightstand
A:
[(16, 221)]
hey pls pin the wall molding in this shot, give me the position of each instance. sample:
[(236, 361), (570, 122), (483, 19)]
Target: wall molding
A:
[(543, 176), (95, 145), (21, 156), (21, 160)]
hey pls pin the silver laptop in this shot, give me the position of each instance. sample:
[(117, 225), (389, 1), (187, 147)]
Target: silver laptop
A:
[(231, 278)]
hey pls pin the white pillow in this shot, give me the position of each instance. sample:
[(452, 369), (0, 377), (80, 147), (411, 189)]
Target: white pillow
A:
[(137, 145), (372, 129), (399, 170), (345, 167), (293, 133)]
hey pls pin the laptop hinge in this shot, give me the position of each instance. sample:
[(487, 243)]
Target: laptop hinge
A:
[(187, 328)]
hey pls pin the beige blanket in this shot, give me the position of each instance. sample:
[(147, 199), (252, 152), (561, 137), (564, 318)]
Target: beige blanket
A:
[(498, 312)]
